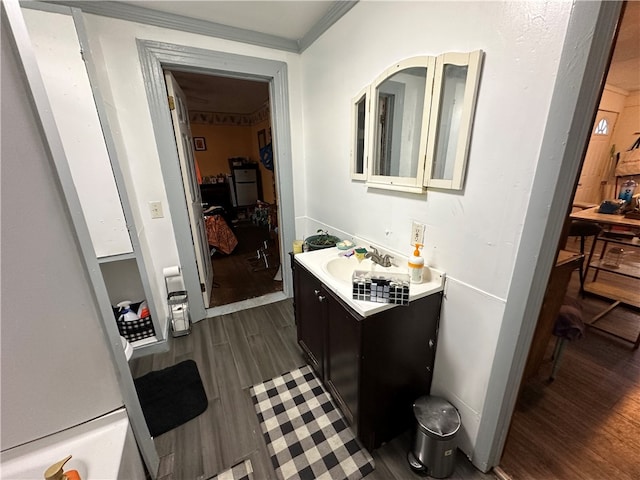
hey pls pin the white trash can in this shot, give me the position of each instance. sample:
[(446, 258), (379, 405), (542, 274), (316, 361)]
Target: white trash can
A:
[(434, 444)]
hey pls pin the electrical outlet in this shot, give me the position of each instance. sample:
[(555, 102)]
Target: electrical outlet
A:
[(417, 233), (156, 209)]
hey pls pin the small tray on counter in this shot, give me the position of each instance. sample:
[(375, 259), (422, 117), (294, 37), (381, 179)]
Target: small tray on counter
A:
[(381, 287)]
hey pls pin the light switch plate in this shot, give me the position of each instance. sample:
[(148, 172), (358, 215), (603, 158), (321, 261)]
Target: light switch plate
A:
[(156, 209), (417, 233)]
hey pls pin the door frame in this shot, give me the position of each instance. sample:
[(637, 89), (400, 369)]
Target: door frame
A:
[(155, 57), (579, 84)]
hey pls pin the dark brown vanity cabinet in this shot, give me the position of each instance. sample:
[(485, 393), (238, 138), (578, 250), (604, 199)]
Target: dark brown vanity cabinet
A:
[(310, 306), (375, 367)]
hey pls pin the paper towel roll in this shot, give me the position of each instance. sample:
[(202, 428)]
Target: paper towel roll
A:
[(171, 271), (173, 278)]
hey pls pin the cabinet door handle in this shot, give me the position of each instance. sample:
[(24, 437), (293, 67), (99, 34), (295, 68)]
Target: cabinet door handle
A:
[(431, 343), (317, 292), (321, 298)]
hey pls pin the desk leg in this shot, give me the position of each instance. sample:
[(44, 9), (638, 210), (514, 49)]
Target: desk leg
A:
[(604, 312)]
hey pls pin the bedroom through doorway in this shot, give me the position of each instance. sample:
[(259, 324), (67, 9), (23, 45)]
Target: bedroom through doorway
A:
[(230, 122)]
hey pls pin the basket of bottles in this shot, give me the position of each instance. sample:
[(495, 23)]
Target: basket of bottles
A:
[(134, 320)]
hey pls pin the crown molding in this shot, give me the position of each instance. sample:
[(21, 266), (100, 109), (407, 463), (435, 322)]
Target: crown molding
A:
[(147, 16), (133, 13), (614, 89), (335, 13)]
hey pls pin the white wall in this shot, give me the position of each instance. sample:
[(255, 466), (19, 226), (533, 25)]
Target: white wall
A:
[(65, 76), (613, 99), (628, 124), (56, 369), (473, 235), (114, 45)]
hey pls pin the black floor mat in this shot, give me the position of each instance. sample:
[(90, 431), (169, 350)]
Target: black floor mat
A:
[(171, 397)]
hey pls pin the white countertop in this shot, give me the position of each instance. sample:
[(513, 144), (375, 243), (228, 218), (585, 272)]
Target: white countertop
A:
[(433, 281)]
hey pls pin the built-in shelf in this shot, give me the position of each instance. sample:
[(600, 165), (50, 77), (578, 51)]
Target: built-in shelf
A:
[(626, 268), (117, 258), (608, 290), (629, 241), (144, 342)]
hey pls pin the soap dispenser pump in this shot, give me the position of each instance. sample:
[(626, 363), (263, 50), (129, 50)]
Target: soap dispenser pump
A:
[(55, 472), (416, 265)]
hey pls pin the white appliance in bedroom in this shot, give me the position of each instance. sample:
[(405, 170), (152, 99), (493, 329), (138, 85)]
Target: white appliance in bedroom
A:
[(245, 186)]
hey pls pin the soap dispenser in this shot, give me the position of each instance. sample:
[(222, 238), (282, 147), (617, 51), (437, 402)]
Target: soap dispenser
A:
[(416, 265), (55, 472)]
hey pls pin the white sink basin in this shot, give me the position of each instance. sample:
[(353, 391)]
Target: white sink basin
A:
[(335, 271), (342, 268)]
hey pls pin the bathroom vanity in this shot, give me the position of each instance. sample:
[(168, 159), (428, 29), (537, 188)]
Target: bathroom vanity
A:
[(374, 359)]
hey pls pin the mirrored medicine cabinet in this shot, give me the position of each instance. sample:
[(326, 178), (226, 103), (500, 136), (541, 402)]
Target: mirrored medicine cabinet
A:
[(412, 126)]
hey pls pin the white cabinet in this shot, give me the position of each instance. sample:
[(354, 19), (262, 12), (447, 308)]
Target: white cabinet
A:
[(65, 78), (95, 178)]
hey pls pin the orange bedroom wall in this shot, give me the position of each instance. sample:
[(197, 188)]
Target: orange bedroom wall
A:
[(227, 141)]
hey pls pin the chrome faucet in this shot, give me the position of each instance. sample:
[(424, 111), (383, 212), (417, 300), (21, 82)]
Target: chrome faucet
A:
[(382, 260)]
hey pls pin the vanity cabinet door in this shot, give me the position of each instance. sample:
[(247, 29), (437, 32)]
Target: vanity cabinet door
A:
[(310, 306), (374, 367), (398, 352), (343, 359)]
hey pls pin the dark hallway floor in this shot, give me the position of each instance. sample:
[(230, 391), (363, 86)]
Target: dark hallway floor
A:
[(586, 423), (242, 275)]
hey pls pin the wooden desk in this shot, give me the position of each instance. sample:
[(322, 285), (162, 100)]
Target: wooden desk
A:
[(592, 215), (566, 263), (599, 286)]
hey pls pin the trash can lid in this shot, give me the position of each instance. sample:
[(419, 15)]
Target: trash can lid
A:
[(436, 416)]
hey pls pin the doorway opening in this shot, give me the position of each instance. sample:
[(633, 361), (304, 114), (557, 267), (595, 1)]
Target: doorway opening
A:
[(233, 172), (580, 424)]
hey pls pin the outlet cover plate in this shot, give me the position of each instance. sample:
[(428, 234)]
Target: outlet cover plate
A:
[(156, 209), (417, 233)]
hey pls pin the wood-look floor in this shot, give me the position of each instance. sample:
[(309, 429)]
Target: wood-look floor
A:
[(234, 352), (586, 423), (241, 275)]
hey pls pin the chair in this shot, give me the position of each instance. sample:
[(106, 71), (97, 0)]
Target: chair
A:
[(583, 230), (568, 326)]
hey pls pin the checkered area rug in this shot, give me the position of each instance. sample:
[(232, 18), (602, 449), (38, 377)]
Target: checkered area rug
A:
[(306, 435), (241, 471)]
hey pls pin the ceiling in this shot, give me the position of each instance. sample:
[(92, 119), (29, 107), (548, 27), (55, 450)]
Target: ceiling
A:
[(295, 19), (625, 65), (288, 19), (208, 93), (292, 20)]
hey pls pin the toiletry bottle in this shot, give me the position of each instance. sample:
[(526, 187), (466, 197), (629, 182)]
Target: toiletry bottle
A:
[(55, 472), (416, 265), (126, 313)]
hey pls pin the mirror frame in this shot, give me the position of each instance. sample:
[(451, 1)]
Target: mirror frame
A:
[(473, 60), (407, 184), (364, 94)]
